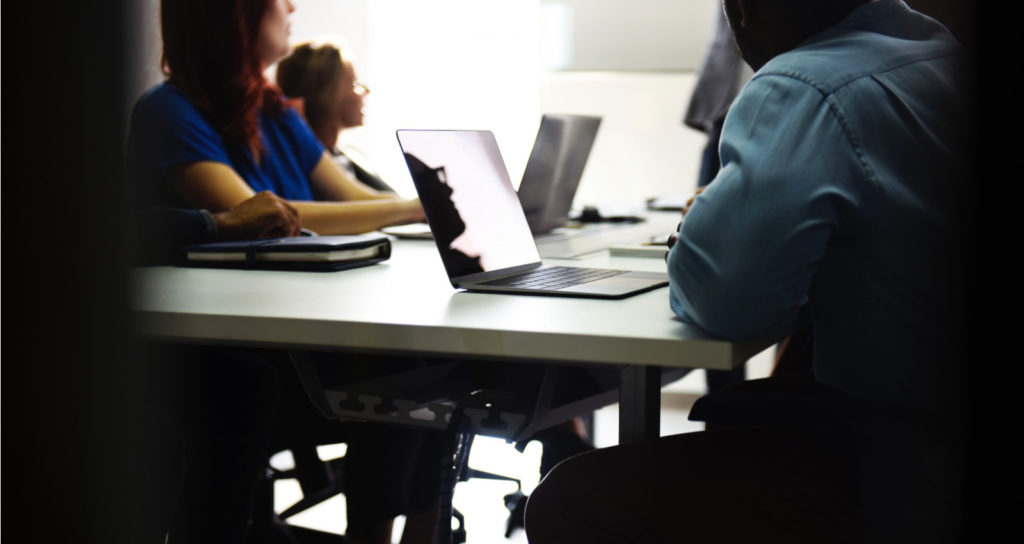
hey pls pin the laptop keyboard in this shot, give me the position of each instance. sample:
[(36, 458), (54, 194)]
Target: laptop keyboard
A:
[(555, 277)]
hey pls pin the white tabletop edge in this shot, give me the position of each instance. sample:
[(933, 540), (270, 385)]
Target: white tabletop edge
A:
[(407, 306), (290, 333)]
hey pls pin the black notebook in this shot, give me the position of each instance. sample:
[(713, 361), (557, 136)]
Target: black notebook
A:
[(293, 253)]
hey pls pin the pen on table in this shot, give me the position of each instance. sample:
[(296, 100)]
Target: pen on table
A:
[(656, 240)]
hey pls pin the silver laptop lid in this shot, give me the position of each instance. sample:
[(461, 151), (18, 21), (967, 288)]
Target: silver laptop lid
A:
[(467, 196), (555, 167)]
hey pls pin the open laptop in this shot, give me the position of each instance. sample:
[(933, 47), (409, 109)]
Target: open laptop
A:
[(551, 177), (554, 169), (479, 226)]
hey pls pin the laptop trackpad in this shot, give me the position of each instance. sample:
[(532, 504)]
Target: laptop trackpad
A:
[(618, 284)]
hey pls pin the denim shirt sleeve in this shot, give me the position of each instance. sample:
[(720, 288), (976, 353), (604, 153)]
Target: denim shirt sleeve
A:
[(749, 246)]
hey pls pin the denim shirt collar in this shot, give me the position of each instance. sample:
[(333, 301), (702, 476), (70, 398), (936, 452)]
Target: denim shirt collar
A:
[(871, 12)]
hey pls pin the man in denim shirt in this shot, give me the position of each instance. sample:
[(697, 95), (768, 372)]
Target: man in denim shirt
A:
[(837, 201), (839, 204)]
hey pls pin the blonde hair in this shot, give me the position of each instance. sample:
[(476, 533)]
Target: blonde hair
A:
[(312, 73)]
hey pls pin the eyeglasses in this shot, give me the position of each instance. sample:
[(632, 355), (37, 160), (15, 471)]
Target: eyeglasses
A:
[(360, 88)]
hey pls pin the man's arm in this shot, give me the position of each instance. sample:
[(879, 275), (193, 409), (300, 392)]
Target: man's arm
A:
[(265, 215), (750, 244), (162, 231)]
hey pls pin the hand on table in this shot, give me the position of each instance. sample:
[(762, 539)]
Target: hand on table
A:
[(265, 215), (689, 201), (412, 212)]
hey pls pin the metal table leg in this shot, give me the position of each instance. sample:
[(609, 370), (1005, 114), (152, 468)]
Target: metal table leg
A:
[(639, 403)]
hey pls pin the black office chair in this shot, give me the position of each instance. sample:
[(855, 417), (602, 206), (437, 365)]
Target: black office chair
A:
[(320, 480), (505, 400)]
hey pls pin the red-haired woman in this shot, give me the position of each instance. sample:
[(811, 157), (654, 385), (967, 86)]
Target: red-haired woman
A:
[(211, 136), (216, 131)]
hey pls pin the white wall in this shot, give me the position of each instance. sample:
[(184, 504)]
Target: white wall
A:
[(642, 149), (143, 29), (639, 35), (437, 64), (499, 64)]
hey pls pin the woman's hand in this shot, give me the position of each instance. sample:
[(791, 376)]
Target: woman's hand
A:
[(414, 211)]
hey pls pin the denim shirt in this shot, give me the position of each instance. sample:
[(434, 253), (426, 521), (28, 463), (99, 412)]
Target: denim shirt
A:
[(836, 203)]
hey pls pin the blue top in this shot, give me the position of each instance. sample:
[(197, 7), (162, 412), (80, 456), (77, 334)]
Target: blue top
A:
[(167, 129), (836, 202)]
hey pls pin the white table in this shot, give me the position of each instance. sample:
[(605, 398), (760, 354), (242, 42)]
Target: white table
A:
[(407, 306)]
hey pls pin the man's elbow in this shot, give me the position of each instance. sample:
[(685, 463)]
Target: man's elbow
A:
[(724, 299), (729, 313)]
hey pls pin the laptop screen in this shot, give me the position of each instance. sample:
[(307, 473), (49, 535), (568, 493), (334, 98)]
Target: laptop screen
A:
[(473, 211), (555, 167)]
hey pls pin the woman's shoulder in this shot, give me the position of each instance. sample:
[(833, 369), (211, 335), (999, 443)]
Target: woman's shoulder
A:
[(165, 110), (165, 100), (290, 121)]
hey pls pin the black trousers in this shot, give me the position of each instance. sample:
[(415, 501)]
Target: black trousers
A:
[(220, 408), (225, 410)]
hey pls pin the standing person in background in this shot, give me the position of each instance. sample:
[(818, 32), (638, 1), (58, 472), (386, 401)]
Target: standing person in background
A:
[(718, 83), (332, 99)]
